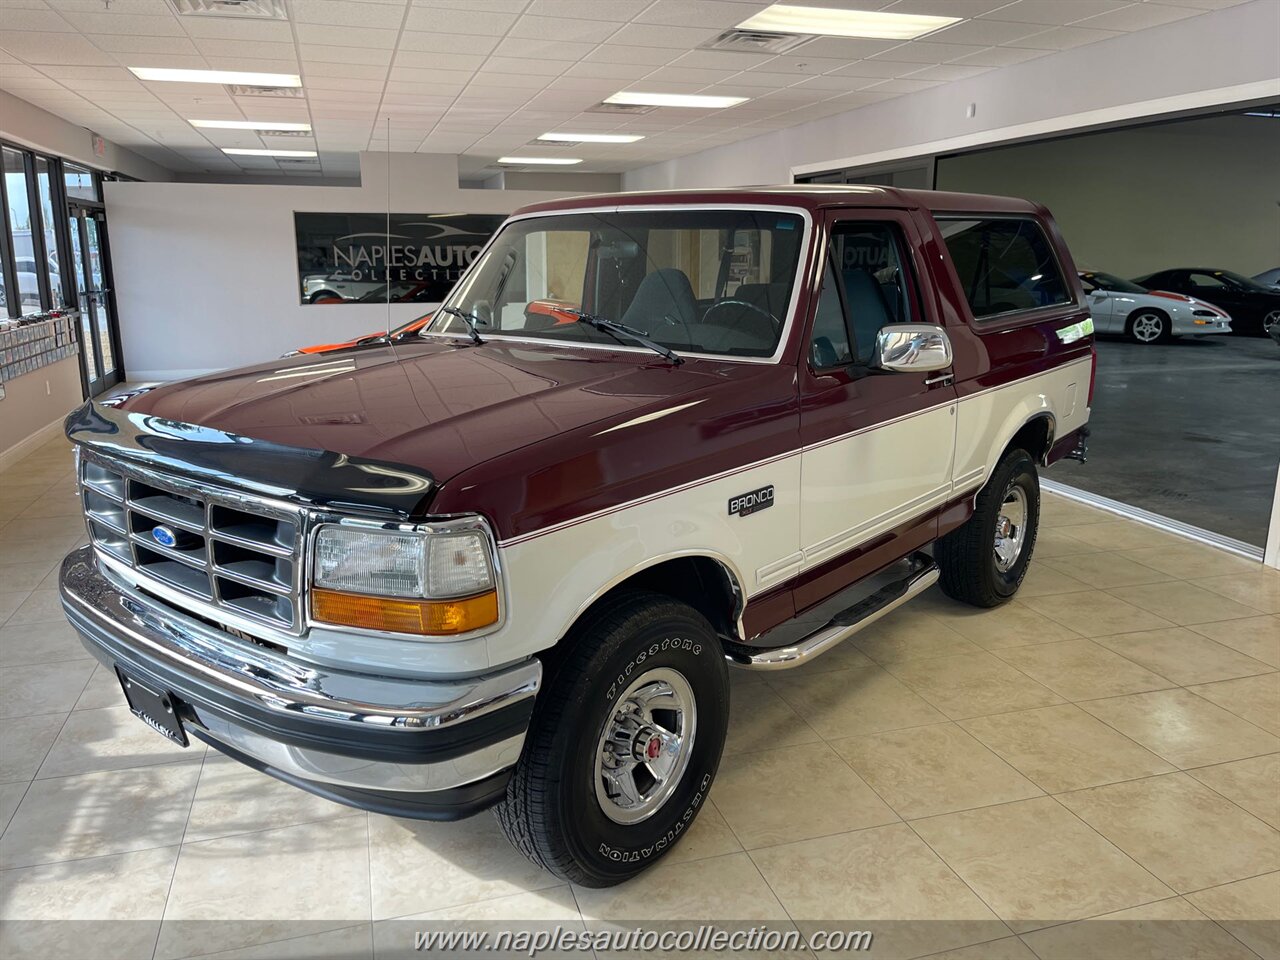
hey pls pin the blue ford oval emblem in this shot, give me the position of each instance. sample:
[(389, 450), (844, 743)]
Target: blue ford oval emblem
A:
[(164, 536)]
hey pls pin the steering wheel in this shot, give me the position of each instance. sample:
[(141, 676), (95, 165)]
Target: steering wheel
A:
[(773, 321)]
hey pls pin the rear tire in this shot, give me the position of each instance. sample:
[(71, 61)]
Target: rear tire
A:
[(977, 566), (631, 671)]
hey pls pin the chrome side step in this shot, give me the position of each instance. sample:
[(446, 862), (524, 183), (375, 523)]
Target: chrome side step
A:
[(841, 627)]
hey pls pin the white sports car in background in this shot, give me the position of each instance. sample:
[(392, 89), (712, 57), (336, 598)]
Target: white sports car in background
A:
[(1148, 316)]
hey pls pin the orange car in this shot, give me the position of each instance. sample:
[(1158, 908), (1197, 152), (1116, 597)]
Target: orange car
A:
[(399, 333)]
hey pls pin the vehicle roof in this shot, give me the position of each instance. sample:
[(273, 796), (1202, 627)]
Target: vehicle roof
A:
[(810, 196)]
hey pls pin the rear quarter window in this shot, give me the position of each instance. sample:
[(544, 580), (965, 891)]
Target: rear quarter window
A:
[(1005, 264)]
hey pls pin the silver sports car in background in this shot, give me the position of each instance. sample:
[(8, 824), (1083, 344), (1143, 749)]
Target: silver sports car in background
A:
[(1148, 316)]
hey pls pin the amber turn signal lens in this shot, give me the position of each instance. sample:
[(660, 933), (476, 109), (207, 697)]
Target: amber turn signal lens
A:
[(426, 617)]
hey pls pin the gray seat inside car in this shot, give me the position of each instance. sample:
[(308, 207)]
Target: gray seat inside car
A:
[(868, 310), (664, 293)]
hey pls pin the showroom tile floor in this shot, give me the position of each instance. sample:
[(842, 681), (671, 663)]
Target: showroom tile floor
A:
[(1105, 746)]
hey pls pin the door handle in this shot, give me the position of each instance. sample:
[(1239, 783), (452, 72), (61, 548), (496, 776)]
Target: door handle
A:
[(940, 378)]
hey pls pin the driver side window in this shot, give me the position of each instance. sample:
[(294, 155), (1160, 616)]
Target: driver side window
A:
[(868, 263)]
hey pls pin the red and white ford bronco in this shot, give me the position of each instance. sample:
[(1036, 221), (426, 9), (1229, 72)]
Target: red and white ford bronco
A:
[(510, 561)]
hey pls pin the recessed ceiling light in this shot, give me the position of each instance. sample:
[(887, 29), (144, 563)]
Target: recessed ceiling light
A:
[(873, 24), (592, 137), (550, 161), (631, 98), (237, 152), (246, 77), (264, 125)]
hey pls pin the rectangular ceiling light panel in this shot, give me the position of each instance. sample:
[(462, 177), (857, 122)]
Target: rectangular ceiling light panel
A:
[(263, 125), (249, 78), (821, 21), (702, 101), (591, 137), (239, 152), (548, 161)]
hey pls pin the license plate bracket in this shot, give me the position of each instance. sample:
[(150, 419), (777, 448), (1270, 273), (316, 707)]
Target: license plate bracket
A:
[(157, 709)]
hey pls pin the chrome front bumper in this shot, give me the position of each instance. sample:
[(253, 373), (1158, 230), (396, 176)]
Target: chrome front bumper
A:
[(433, 749)]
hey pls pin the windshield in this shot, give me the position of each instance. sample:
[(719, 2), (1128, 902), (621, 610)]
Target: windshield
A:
[(1239, 280), (696, 281), (1109, 281)]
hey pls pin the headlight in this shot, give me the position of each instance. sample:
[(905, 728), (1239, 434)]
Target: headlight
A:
[(1203, 313), (432, 581)]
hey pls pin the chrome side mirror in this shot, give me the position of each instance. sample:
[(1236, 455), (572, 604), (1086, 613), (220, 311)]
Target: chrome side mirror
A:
[(913, 348)]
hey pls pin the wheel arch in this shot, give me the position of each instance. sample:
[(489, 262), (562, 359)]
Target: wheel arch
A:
[(706, 580)]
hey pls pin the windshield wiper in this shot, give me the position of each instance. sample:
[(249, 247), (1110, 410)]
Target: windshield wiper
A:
[(615, 328), (470, 319)]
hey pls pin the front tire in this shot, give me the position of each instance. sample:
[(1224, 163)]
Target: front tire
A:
[(983, 562), (624, 742), (1149, 326)]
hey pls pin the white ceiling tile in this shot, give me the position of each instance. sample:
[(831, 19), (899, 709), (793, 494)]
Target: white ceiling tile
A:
[(385, 15), (945, 8), (270, 31), (134, 25), (488, 6), (759, 79), (150, 7), (1065, 38), (337, 71), (20, 19), (73, 72), (883, 69), (661, 35), (699, 13), (346, 36), (221, 47), (451, 43), (690, 75), (830, 82), (844, 48), (924, 51), (42, 47), (1139, 16), (1000, 56), (546, 68), (617, 53), (798, 63), (986, 32), (123, 43), (543, 49), (333, 54), (447, 20), (1056, 12), (563, 28), (615, 11), (252, 64), (314, 83), (903, 85), (720, 60), (948, 72)]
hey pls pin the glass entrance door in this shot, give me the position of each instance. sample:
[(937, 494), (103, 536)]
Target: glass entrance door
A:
[(99, 337)]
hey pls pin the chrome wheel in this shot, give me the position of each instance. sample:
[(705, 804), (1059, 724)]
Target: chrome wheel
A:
[(1011, 527), (645, 746), (1270, 322), (1148, 327)]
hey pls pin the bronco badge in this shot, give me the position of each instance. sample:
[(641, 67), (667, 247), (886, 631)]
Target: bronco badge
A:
[(748, 503)]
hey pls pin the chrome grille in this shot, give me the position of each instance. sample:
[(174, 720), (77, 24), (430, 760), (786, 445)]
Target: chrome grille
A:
[(227, 549)]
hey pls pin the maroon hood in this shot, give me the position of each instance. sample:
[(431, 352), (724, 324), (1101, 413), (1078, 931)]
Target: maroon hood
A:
[(440, 406)]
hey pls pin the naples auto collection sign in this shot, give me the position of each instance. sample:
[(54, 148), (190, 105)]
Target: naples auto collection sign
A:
[(350, 257)]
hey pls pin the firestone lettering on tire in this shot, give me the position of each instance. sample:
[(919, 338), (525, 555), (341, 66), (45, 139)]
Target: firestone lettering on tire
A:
[(671, 643)]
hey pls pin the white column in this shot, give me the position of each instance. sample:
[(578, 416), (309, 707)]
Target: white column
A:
[(1272, 555)]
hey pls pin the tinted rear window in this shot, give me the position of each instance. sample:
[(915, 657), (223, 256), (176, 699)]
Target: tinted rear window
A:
[(1004, 265)]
